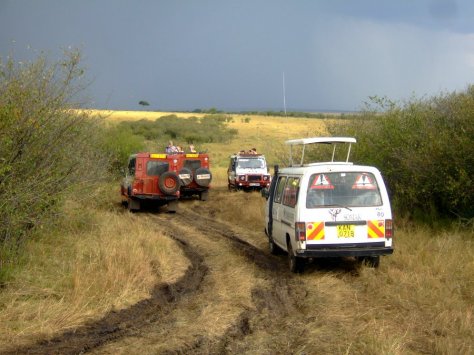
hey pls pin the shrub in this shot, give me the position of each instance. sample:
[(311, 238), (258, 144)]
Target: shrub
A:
[(208, 129), (424, 148), (118, 143), (46, 148)]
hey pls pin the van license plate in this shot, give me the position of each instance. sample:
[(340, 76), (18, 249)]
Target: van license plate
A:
[(346, 231), (254, 184)]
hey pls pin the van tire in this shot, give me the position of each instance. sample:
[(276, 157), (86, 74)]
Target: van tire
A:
[(168, 183), (296, 263)]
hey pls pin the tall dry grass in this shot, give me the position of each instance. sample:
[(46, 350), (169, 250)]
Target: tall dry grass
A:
[(90, 263)]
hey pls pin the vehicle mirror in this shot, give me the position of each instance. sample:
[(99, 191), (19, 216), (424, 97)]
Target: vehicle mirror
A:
[(265, 192)]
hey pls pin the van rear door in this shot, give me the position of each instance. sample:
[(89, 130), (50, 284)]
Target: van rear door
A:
[(346, 207)]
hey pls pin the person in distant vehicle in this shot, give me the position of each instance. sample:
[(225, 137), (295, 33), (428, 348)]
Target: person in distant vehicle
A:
[(191, 148), (171, 148)]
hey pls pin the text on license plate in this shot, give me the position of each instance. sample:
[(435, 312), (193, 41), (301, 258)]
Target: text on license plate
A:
[(346, 231), (254, 184)]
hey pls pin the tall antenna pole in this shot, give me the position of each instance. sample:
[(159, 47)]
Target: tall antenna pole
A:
[(284, 94)]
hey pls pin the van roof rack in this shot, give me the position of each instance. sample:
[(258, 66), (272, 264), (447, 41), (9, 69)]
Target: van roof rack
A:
[(320, 140)]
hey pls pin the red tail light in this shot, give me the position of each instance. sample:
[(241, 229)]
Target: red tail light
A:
[(137, 186), (300, 231), (388, 228)]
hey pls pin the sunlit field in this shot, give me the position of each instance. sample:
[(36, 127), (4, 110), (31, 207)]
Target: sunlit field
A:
[(266, 134)]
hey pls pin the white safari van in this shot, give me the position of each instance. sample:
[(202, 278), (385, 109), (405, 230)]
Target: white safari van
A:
[(328, 209)]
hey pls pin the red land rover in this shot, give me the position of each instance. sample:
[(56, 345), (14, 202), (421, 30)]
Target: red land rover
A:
[(151, 177)]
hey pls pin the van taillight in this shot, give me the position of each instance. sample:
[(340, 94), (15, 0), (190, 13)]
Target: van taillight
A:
[(388, 228), (300, 231)]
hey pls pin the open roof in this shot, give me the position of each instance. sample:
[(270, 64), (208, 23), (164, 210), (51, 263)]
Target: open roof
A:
[(322, 140)]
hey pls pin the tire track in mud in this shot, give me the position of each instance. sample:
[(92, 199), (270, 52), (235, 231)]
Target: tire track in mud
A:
[(272, 304), (129, 321)]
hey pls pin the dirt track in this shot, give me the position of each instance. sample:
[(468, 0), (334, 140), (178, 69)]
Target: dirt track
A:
[(192, 315)]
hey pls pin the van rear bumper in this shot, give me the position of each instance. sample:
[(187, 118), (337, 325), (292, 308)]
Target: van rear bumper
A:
[(333, 251)]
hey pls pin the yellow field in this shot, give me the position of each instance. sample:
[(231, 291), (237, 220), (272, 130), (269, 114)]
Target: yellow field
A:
[(265, 133), (118, 116)]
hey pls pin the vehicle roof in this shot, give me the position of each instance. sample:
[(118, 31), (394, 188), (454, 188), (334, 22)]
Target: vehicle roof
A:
[(322, 140)]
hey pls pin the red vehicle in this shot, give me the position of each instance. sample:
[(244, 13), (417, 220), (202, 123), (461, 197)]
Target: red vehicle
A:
[(194, 174), (151, 177)]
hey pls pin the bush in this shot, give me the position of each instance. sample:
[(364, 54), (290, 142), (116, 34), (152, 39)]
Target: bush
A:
[(193, 130), (119, 143), (46, 149), (424, 148)]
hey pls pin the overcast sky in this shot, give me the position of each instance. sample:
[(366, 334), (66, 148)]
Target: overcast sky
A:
[(189, 54)]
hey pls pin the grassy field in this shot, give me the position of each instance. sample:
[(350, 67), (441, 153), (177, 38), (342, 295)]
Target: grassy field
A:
[(266, 134), (421, 300)]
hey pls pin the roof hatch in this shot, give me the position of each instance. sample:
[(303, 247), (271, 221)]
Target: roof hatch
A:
[(334, 141)]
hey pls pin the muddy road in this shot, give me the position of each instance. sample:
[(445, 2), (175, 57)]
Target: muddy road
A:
[(235, 297)]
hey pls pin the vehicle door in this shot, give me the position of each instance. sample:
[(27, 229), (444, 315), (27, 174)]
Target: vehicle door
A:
[(277, 211), (231, 174), (289, 203)]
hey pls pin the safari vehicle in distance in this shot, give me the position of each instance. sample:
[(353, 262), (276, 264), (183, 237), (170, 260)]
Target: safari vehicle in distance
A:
[(248, 171), (328, 209), (151, 177), (194, 174)]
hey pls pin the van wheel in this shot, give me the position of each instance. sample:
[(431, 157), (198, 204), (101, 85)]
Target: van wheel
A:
[(296, 263)]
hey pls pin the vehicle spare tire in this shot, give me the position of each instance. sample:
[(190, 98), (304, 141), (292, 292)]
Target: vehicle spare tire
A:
[(168, 183), (203, 177), (185, 176)]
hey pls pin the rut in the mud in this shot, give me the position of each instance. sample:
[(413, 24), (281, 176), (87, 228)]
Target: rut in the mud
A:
[(127, 321), (275, 302)]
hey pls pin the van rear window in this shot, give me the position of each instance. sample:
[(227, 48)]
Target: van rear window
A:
[(348, 189)]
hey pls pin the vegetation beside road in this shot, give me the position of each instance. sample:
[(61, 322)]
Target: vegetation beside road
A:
[(425, 150)]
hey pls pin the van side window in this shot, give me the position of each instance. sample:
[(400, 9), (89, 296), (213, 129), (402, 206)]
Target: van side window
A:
[(279, 189), (290, 196)]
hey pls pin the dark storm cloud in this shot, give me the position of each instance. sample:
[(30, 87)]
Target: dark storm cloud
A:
[(231, 54)]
